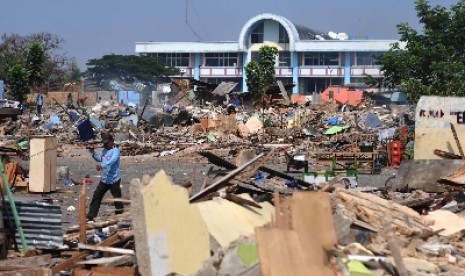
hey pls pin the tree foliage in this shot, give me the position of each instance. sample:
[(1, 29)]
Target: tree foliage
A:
[(18, 82), (255, 81), (268, 56), (14, 50), (73, 73), (35, 65), (128, 69), (432, 61), (260, 75)]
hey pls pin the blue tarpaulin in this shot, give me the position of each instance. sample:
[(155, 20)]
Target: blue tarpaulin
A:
[(334, 121), (372, 121)]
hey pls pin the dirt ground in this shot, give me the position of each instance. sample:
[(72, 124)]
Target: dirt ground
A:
[(179, 168)]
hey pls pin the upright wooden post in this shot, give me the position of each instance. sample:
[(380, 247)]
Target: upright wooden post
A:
[(82, 214)]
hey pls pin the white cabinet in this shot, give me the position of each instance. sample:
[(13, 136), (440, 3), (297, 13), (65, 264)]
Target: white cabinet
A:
[(43, 164)]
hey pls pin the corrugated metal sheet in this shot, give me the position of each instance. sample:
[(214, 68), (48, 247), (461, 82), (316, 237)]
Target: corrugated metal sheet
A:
[(224, 88), (41, 222)]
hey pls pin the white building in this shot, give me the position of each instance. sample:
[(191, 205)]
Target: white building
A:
[(309, 59)]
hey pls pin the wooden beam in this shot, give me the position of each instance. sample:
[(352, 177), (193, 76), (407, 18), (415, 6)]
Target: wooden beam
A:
[(219, 183), (40, 260), (82, 214), (109, 261), (106, 249), (73, 260), (111, 200)]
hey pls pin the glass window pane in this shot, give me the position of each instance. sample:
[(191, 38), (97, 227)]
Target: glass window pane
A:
[(257, 33), (284, 58)]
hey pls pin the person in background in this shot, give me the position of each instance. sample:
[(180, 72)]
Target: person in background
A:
[(110, 179), (39, 103), (82, 100), (69, 100)]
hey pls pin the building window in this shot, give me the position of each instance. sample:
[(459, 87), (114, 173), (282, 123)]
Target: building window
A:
[(321, 59), (258, 32), (366, 58), (175, 59), (284, 58), (283, 37), (221, 59)]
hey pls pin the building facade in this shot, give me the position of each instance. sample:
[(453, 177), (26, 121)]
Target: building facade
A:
[(309, 59)]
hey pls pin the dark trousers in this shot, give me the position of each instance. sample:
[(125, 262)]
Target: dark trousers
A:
[(39, 109), (99, 192)]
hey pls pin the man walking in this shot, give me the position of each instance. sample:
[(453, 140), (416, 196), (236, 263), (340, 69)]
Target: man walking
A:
[(39, 103), (110, 179)]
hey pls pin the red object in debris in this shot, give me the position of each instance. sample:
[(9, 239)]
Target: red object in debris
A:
[(396, 152), (88, 181), (396, 145), (342, 95)]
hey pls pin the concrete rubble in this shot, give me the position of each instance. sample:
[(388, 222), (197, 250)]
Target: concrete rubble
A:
[(282, 193)]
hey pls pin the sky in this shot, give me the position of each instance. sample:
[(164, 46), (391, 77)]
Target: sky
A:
[(94, 28)]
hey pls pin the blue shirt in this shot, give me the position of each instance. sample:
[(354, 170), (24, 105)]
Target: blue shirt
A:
[(110, 160), (40, 100)]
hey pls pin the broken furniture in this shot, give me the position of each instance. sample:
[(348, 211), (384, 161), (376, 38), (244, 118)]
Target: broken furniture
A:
[(348, 174), (43, 163), (365, 160)]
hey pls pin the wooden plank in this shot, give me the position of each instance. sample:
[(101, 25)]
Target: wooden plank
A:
[(109, 261), (40, 260), (304, 252), (104, 271), (111, 200), (313, 221), (450, 222), (106, 249), (24, 271), (82, 214), (73, 260), (218, 184), (283, 258), (227, 221)]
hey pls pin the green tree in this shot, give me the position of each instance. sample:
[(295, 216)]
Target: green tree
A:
[(254, 81), (268, 56), (432, 61), (128, 69), (73, 73), (18, 82), (35, 65), (14, 49), (260, 75)]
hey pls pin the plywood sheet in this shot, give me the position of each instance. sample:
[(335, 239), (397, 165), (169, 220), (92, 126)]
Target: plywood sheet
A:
[(302, 250), (313, 221), (281, 253), (227, 221), (170, 233), (450, 222)]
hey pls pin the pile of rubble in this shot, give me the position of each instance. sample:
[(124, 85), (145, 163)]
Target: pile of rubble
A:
[(237, 222)]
